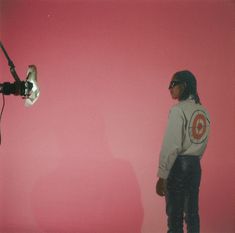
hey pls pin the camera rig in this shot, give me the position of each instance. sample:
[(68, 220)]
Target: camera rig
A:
[(28, 89)]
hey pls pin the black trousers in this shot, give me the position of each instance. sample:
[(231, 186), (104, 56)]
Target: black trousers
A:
[(182, 195)]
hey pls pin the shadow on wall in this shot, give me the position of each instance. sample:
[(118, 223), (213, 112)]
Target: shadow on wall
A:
[(90, 192)]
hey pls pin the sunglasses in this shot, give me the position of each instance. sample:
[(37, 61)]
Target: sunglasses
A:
[(174, 83)]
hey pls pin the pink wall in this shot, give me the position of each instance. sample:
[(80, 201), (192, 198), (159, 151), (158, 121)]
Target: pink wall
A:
[(84, 158)]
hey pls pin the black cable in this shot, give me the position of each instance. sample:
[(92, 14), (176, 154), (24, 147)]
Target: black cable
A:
[(3, 105)]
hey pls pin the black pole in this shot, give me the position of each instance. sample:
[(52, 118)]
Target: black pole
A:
[(10, 63)]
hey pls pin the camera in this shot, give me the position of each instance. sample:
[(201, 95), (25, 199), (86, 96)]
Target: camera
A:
[(21, 88)]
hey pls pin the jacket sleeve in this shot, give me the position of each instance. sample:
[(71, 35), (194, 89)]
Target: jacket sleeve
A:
[(172, 142)]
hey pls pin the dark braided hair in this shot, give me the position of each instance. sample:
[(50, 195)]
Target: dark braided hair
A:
[(190, 83)]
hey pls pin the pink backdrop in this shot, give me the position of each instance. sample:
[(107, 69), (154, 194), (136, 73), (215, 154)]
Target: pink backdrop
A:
[(84, 158)]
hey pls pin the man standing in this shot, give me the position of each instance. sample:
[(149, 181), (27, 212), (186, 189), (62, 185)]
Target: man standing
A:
[(184, 143)]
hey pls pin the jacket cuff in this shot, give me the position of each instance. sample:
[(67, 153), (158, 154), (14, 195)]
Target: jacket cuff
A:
[(163, 174)]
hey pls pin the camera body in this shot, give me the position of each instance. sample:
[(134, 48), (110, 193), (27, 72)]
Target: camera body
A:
[(21, 88)]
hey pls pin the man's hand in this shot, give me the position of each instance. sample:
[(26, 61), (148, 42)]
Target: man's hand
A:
[(161, 187)]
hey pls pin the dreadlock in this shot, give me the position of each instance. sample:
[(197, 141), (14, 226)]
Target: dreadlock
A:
[(190, 82)]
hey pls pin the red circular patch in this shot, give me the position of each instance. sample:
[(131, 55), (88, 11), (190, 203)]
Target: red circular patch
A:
[(199, 126)]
